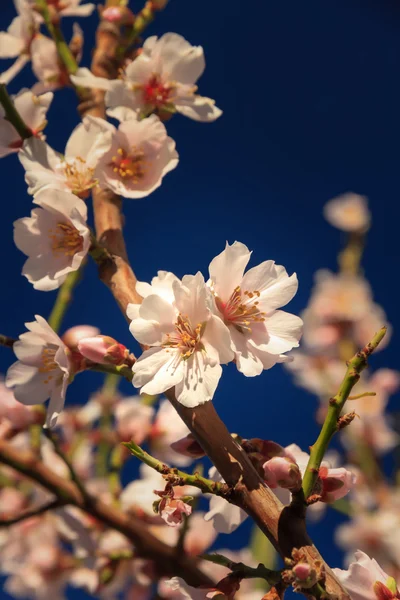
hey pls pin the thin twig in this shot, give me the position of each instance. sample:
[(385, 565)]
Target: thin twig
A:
[(331, 424), (33, 512), (6, 341), (12, 115), (64, 298), (63, 50)]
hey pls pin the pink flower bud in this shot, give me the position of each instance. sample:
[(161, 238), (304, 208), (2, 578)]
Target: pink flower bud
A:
[(73, 335), (302, 571), (336, 483), (188, 446), (103, 349), (282, 472), (117, 14), (172, 511)]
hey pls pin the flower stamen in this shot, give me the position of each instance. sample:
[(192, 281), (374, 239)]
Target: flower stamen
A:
[(129, 165), (65, 240), (241, 310), (185, 338)]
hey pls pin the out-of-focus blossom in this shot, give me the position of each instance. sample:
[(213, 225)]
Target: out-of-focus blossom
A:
[(167, 428), (162, 78), (33, 110), (180, 590), (46, 65), (16, 41), (366, 580), (319, 374), (75, 171), (224, 516), (135, 157), (247, 304), (74, 334), (13, 414), (376, 533), (55, 238), (42, 370), (348, 212), (133, 419), (188, 446), (189, 343), (12, 502), (68, 8)]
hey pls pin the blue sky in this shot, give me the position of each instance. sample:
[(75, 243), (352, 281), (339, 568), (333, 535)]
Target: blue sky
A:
[(310, 93)]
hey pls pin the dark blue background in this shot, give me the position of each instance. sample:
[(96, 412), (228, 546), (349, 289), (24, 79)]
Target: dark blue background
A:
[(310, 92)]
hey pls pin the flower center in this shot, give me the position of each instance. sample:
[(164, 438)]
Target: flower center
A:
[(241, 309), (186, 339), (129, 165), (48, 363), (65, 240), (79, 176), (156, 93)]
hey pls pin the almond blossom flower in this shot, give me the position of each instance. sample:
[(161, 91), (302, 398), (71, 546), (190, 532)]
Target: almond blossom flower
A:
[(55, 238), (135, 157), (75, 171), (42, 370), (189, 343), (133, 419), (13, 414), (16, 41), (247, 304), (161, 285), (348, 212), (172, 510), (162, 78), (366, 580), (32, 110)]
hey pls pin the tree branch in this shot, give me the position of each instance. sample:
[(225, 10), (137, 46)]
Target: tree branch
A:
[(66, 491), (331, 424), (12, 115), (33, 512)]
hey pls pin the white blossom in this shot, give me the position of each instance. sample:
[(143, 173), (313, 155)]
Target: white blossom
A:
[(348, 212), (55, 238), (16, 41), (32, 110), (162, 78), (362, 576), (247, 304), (135, 157), (42, 370), (189, 343), (73, 172), (70, 8)]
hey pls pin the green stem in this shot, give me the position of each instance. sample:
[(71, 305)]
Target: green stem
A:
[(63, 50), (121, 370), (350, 258), (12, 115), (331, 424), (176, 477), (142, 20), (63, 299)]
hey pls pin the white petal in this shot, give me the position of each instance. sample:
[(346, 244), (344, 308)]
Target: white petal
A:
[(85, 78), (199, 383), (272, 281), (198, 108), (55, 407), (180, 60), (157, 370), (226, 270), (284, 331), (218, 336), (16, 67), (225, 517)]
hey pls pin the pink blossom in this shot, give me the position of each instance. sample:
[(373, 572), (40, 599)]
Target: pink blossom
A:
[(74, 334), (103, 349), (366, 580), (188, 446), (348, 212), (336, 483), (172, 511), (281, 471)]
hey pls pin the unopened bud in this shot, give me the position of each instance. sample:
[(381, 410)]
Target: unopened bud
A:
[(302, 571), (121, 15), (282, 472), (304, 576), (158, 4), (346, 419), (188, 446), (73, 335), (336, 483), (103, 349)]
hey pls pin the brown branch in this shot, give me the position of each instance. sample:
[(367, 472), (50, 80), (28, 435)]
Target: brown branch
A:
[(66, 491), (284, 526), (32, 512)]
